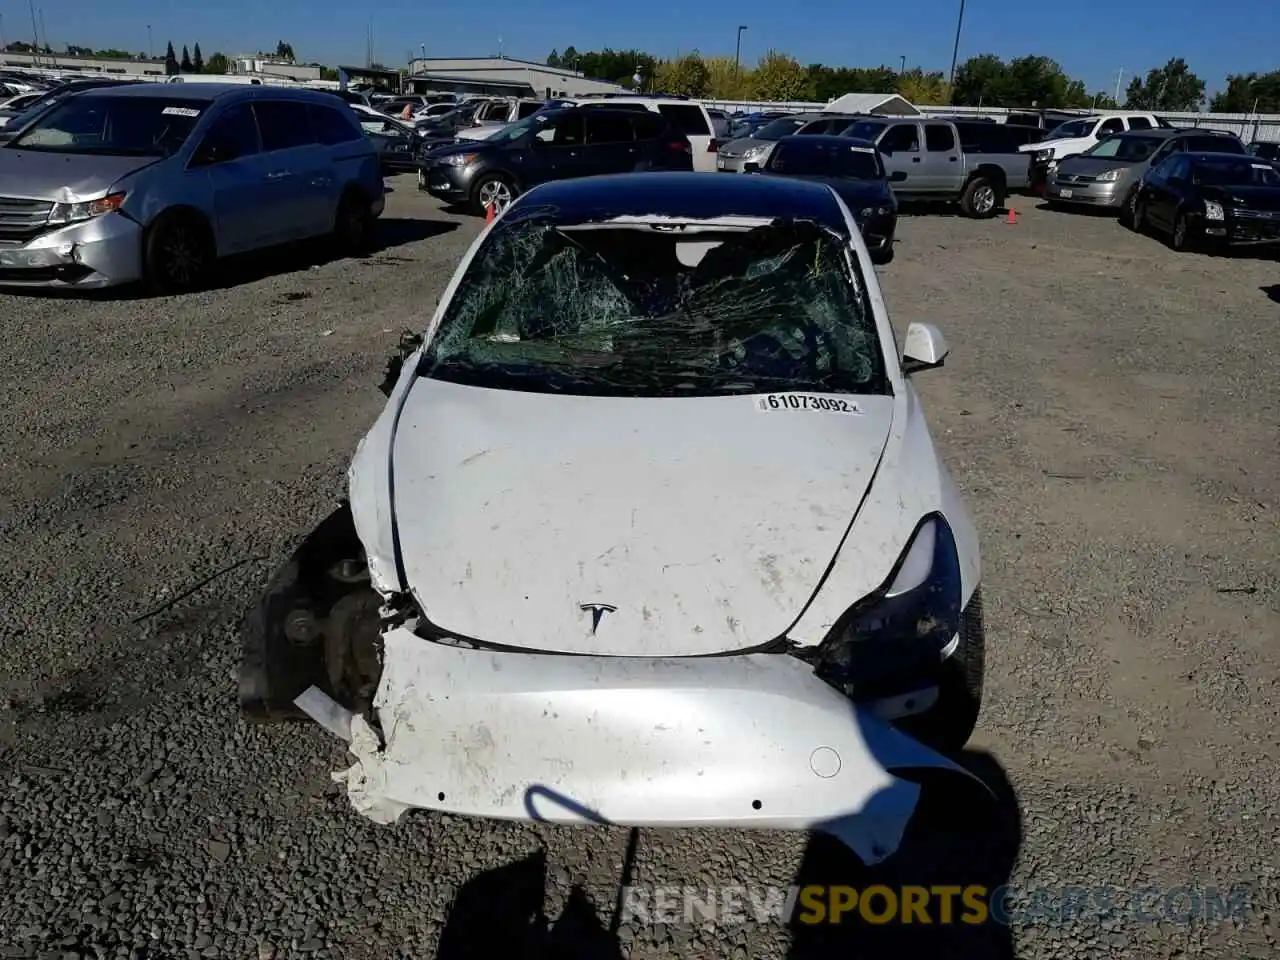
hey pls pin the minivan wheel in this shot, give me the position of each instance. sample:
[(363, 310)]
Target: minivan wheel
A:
[(1129, 209), (177, 253), (492, 189), (353, 224), (981, 199)]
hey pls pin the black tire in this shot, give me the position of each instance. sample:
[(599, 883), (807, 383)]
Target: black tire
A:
[(1139, 221), (949, 723), (353, 223), (178, 253), (882, 257), (492, 184), (1128, 207), (1180, 236), (982, 198)]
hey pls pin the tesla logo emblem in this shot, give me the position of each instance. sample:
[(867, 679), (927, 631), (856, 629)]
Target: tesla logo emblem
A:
[(598, 610)]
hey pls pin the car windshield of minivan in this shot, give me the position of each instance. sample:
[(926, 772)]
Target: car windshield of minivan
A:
[(1072, 128), (777, 129), (114, 126), (1235, 173), (1130, 149), (599, 309)]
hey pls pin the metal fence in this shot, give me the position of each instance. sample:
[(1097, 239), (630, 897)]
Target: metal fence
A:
[(1248, 127)]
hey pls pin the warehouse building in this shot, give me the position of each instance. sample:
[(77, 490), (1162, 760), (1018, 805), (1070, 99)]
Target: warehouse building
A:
[(501, 75)]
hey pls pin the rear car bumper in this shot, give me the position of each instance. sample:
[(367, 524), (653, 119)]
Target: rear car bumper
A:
[(103, 252), (728, 164), (749, 741)]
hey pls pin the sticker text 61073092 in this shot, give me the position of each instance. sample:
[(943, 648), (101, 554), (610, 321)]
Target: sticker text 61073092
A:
[(805, 401)]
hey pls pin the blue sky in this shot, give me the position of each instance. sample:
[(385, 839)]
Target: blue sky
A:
[(1092, 39)]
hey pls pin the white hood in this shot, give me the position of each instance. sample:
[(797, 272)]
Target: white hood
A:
[(706, 522)]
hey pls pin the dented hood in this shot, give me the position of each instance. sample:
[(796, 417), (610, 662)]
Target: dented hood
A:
[(703, 525)]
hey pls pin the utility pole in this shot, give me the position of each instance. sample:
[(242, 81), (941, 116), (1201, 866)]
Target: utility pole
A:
[(737, 51), (151, 50), (35, 32), (45, 33), (902, 66), (1119, 75), (955, 50)]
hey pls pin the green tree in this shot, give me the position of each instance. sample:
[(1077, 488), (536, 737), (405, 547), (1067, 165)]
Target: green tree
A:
[(1102, 101), (826, 83), (687, 76), (197, 60), (553, 59), (1171, 87), (217, 64), (1247, 92), (779, 77), (170, 60), (185, 66), (928, 89), (979, 81), (284, 50), (727, 80)]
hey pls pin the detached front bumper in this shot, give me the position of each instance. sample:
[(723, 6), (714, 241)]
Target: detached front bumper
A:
[(103, 252)]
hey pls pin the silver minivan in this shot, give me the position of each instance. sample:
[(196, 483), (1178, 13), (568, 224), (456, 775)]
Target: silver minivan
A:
[(155, 182)]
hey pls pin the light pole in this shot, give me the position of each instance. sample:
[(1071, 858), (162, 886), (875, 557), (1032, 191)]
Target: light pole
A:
[(151, 51), (902, 66), (737, 50), (956, 48)]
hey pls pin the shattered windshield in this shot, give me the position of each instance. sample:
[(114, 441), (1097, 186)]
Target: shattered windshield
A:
[(645, 310)]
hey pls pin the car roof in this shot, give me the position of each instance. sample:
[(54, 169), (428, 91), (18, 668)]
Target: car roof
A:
[(1211, 156), (825, 140), (208, 92), (692, 196)]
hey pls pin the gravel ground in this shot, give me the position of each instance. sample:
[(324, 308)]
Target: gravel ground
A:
[(1111, 409)]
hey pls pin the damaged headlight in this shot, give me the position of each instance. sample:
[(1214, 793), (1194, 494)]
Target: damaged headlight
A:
[(901, 632), (64, 213), (1043, 155), (1212, 211)]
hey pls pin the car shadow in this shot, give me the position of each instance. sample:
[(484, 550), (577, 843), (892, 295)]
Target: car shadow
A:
[(958, 838), (1272, 292), (1102, 213)]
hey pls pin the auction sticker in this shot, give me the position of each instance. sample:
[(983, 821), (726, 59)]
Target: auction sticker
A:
[(180, 112), (806, 401)]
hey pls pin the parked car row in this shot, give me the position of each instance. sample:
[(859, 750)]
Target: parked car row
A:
[(1200, 189)]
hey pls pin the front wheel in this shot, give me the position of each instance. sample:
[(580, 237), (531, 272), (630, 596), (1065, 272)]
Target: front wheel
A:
[(981, 199), (1180, 239), (493, 191), (949, 723), (1129, 208), (178, 253)]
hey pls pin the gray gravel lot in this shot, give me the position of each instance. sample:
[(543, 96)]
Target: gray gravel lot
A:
[(1111, 409)]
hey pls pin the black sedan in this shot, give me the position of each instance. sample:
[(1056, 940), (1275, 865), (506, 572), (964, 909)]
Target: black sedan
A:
[(850, 167), (1211, 201)]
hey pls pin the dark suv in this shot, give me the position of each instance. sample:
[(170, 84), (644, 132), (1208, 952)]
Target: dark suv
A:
[(552, 145)]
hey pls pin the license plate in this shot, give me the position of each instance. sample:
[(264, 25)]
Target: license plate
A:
[(1064, 194), (719, 164)]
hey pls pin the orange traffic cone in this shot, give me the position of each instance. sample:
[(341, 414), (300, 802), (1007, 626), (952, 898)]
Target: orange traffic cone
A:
[(1013, 216), (488, 213)]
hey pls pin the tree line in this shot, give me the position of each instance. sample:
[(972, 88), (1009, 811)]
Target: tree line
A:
[(982, 80)]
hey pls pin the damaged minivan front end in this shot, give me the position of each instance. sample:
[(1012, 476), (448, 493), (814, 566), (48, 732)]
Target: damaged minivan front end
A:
[(650, 532)]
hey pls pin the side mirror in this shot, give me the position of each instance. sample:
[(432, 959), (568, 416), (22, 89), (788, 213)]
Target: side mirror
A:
[(897, 176), (926, 348), (751, 167)]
